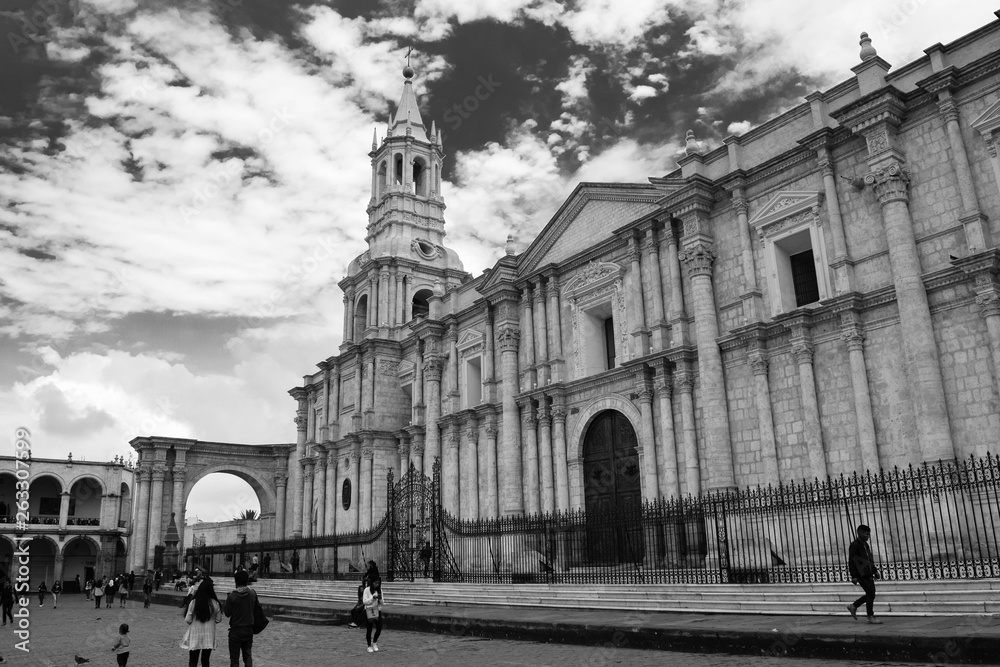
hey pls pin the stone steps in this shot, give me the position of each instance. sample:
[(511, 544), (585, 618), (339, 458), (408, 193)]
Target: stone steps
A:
[(917, 598)]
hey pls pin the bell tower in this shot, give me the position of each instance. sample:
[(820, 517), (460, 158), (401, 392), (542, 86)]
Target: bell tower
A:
[(406, 203)]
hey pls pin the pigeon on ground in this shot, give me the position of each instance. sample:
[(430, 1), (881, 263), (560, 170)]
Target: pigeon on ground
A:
[(80, 660)]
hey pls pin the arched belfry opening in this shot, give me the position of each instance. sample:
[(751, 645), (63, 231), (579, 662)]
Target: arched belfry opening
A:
[(360, 317), (383, 169), (612, 489), (397, 171), (421, 305), (419, 177)]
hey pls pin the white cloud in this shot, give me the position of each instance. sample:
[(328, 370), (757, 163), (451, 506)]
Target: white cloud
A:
[(643, 92), (738, 128)]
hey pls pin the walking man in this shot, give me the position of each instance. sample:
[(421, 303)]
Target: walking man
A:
[(861, 566), (239, 608)]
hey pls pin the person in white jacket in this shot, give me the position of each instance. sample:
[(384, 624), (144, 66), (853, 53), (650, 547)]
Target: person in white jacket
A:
[(373, 600), (204, 612)]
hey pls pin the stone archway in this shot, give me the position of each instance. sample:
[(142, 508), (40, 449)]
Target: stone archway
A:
[(575, 443), (168, 470), (81, 555)]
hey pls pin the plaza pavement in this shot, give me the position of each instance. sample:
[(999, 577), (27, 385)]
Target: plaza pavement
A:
[(486, 636)]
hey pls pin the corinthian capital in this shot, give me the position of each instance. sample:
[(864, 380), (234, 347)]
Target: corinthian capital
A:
[(803, 352), (698, 259), (989, 302), (508, 339), (433, 367), (890, 183), (853, 337), (758, 363)]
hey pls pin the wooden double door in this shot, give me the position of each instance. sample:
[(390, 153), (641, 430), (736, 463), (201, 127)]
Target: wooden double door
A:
[(612, 490)]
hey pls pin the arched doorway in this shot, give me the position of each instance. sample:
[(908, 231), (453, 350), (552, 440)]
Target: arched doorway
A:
[(79, 558), (612, 490), (43, 562)]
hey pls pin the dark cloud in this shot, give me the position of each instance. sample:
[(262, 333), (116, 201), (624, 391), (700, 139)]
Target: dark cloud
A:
[(37, 253)]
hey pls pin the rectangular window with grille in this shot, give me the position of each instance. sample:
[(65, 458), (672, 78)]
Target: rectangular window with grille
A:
[(609, 342), (804, 280)]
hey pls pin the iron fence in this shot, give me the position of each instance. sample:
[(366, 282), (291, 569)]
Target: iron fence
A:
[(928, 522)]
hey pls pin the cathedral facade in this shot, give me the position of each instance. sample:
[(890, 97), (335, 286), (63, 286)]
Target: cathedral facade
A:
[(817, 296)]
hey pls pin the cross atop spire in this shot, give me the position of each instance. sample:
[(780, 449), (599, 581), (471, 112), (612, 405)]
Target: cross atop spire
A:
[(407, 112)]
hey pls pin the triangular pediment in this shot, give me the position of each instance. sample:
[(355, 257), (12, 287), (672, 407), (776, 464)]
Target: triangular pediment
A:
[(470, 338), (588, 216), (784, 205), (988, 121)]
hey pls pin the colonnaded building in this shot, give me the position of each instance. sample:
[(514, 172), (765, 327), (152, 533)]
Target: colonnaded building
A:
[(815, 297)]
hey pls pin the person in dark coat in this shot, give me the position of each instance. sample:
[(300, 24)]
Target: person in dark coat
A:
[(266, 564), (109, 592), (861, 566), (239, 608), (425, 556), (295, 561), (131, 580)]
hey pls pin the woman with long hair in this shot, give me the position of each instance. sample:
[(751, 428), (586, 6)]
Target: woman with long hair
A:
[(203, 613)]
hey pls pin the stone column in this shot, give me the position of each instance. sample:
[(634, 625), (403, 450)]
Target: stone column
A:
[(333, 407), (403, 447), (843, 267), (178, 472), (812, 434), (455, 395), (391, 288), (319, 496), (367, 459), (489, 375), (383, 296), (677, 314), (699, 258), (753, 306), (307, 497), (470, 479), (58, 569), (548, 492), (492, 491), (156, 508), (977, 231), (509, 454), (531, 480), (850, 332), (692, 468), (407, 299), (660, 337), (765, 416), (418, 388), (543, 337), (988, 299), (294, 468), (432, 376), (348, 320), (400, 301), (450, 472), (640, 334), (920, 354), (528, 327), (64, 509), (559, 457), (668, 477), (555, 329), (648, 449), (370, 392), (280, 482), (140, 527), (373, 300), (354, 474), (417, 448)]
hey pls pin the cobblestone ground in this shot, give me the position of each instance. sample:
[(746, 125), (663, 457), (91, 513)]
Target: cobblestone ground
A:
[(76, 628)]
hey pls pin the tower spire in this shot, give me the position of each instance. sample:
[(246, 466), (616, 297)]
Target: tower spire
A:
[(407, 111)]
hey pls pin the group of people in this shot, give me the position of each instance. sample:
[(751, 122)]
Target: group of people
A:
[(106, 588), (203, 611)]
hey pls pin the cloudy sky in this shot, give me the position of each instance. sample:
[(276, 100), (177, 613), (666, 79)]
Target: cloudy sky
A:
[(182, 184)]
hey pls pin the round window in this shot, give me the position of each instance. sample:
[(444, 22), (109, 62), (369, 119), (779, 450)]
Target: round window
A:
[(346, 494)]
